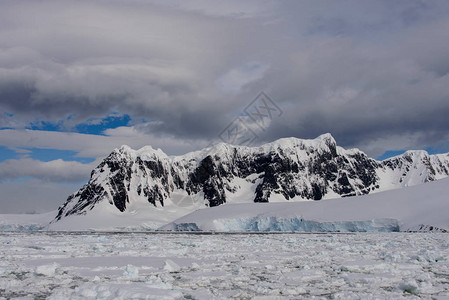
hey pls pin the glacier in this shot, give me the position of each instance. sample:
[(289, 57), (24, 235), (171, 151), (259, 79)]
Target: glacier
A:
[(279, 224)]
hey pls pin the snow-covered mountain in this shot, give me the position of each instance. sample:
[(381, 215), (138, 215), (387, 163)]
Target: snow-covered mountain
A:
[(287, 169)]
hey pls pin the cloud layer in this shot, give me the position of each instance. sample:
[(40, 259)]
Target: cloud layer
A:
[(189, 68), (374, 74), (362, 71), (54, 171)]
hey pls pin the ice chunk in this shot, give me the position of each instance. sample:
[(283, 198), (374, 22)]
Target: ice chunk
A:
[(409, 286), (171, 266), (131, 271), (47, 270)]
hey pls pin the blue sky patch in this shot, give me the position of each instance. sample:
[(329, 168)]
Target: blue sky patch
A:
[(6, 153), (97, 126), (47, 126)]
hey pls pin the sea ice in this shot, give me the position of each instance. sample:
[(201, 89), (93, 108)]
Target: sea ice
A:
[(223, 266)]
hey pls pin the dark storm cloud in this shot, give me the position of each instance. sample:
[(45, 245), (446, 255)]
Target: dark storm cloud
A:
[(84, 61), (368, 86), (364, 71)]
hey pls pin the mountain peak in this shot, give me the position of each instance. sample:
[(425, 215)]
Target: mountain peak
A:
[(124, 149), (418, 153), (326, 137), (326, 140)]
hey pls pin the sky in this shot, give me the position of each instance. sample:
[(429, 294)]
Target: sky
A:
[(80, 78)]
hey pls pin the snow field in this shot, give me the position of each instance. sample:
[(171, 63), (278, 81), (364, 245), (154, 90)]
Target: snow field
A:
[(242, 266)]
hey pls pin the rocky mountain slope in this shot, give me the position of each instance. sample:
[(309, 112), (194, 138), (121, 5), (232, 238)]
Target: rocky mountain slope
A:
[(287, 169)]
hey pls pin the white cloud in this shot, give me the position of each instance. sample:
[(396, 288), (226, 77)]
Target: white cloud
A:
[(52, 171)]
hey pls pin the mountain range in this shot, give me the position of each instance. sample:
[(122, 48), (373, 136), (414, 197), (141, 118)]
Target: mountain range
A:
[(288, 169)]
